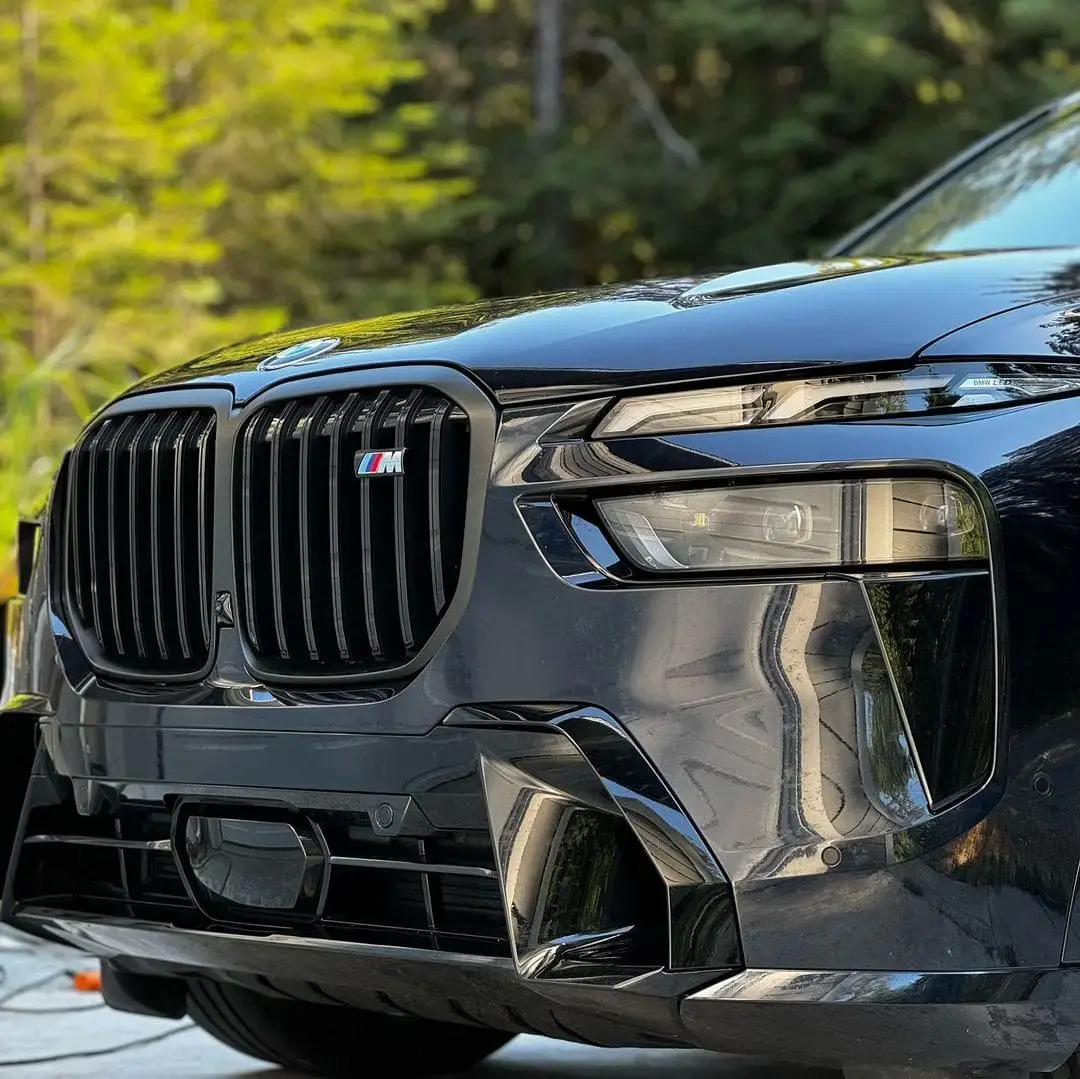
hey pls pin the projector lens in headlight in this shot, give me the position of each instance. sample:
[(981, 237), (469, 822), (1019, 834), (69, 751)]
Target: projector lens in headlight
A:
[(813, 525)]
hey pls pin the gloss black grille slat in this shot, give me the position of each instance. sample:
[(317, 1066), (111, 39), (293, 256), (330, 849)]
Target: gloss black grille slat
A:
[(339, 572), (438, 422), (156, 600), (136, 557), (406, 412), (136, 540), (206, 502), (247, 517), (93, 528), (341, 418), (278, 428), (116, 437), (178, 517), (312, 420), (367, 428)]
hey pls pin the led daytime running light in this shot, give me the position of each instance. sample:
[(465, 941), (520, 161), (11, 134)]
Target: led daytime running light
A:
[(921, 389)]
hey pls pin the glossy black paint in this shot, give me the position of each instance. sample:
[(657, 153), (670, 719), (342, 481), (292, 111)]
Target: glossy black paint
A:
[(1049, 328), (699, 912), (1027, 460), (678, 666), (268, 865), (619, 881), (392, 980), (981, 1024), (855, 796), (851, 310)]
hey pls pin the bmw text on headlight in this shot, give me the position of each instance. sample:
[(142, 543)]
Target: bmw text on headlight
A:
[(685, 663)]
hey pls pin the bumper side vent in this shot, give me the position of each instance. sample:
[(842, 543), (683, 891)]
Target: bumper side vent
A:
[(135, 537), (349, 525)]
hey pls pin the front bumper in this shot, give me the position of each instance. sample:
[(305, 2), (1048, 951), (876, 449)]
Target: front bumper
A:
[(675, 979)]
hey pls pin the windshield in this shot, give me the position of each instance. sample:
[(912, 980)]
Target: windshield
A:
[(1024, 192)]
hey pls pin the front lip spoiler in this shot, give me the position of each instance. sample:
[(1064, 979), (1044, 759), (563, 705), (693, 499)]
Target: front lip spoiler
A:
[(1027, 1019), (640, 1011)]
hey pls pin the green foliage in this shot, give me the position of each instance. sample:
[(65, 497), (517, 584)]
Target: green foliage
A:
[(806, 115), (176, 174)]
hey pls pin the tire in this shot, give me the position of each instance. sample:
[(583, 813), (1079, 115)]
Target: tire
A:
[(332, 1041)]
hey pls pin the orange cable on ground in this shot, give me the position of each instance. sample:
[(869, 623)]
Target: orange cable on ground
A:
[(87, 981)]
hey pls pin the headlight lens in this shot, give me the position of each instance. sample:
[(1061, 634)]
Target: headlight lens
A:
[(925, 388), (814, 525)]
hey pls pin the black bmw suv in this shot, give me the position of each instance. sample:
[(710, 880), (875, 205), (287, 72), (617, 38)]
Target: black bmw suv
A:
[(690, 663)]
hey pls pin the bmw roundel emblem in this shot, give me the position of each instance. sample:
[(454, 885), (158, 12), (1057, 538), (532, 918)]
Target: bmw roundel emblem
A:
[(304, 352)]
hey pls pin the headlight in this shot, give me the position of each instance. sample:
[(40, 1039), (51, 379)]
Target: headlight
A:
[(815, 525), (925, 388)]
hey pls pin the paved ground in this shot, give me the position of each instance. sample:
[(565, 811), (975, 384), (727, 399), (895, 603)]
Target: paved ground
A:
[(55, 1019)]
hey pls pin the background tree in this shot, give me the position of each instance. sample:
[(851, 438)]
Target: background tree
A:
[(699, 134), (176, 174)]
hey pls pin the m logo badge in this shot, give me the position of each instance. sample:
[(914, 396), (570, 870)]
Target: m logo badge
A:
[(380, 463)]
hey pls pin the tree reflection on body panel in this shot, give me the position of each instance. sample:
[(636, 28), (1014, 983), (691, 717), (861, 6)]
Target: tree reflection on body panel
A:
[(1023, 192)]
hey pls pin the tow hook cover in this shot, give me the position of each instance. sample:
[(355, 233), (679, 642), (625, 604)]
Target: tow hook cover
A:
[(254, 864)]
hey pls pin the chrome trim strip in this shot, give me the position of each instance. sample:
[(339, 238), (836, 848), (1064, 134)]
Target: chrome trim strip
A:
[(414, 867), (163, 845)]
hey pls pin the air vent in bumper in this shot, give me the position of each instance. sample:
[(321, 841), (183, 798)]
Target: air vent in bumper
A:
[(342, 570), (439, 892), (135, 533)]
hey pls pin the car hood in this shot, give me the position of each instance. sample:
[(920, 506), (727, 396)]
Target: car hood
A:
[(788, 317)]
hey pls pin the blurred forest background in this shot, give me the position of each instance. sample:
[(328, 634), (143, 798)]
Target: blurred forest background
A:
[(177, 174)]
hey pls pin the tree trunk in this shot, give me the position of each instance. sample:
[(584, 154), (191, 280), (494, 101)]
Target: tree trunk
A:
[(549, 66), (34, 173)]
